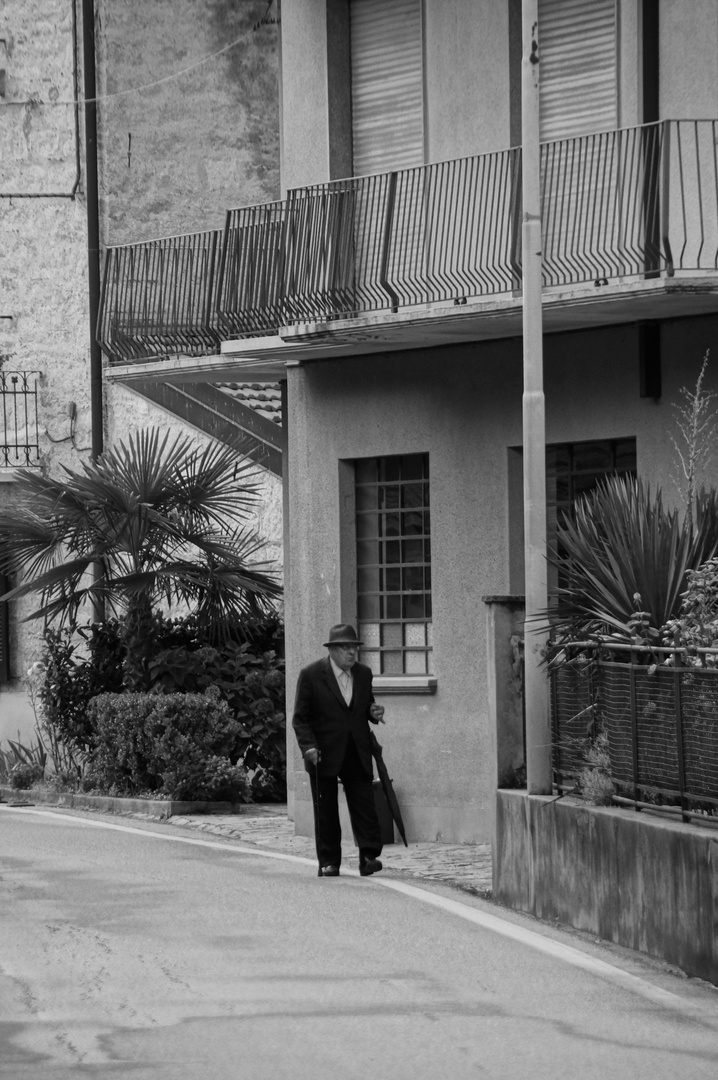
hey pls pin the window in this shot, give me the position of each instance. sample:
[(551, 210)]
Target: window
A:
[(394, 564), (579, 67), (573, 470), (18, 418), (387, 85)]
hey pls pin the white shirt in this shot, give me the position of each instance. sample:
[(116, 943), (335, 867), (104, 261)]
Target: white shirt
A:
[(345, 680)]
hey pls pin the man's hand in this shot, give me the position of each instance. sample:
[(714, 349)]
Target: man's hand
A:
[(376, 712), (312, 756)]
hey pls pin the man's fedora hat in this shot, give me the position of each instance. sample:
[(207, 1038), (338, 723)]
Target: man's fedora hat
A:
[(342, 634)]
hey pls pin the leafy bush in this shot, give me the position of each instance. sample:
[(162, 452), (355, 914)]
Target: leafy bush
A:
[(696, 625), (23, 775), (247, 671), (177, 745), (72, 679), (253, 687)]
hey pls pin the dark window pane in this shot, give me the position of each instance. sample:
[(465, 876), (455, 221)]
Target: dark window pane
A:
[(412, 551), (368, 608), (367, 552), (390, 468), (427, 578), (412, 467), (392, 580), (366, 498), (413, 495), (368, 579), (428, 606), (413, 579), (392, 607), (392, 524), (367, 525), (592, 457), (366, 471), (412, 524), (583, 484), (626, 455), (413, 606), (392, 551), (389, 498)]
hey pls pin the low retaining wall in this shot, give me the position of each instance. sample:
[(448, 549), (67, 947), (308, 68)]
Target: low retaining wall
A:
[(639, 881)]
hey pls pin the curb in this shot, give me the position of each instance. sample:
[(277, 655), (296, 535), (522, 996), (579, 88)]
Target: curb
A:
[(160, 809)]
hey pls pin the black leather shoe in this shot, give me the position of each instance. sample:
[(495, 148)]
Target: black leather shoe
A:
[(329, 871), (369, 866)]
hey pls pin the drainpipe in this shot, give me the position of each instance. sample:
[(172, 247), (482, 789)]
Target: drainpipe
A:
[(538, 732), (93, 250), (93, 219)]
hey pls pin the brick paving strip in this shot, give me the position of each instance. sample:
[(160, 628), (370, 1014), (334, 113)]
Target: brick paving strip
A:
[(465, 866)]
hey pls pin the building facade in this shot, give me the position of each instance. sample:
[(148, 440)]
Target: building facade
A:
[(117, 121), (384, 290)]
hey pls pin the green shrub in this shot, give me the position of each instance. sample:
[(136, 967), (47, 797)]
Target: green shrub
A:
[(696, 625), (72, 679), (23, 775), (248, 673), (252, 684), (176, 745)]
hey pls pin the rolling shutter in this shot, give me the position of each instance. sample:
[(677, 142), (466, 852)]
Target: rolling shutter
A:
[(579, 67), (387, 85)]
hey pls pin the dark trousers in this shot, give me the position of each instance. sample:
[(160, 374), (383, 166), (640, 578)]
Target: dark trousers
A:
[(357, 784)]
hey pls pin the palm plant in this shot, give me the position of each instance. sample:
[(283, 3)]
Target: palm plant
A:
[(152, 520), (624, 557)]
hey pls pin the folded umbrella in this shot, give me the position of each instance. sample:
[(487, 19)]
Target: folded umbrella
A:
[(387, 786)]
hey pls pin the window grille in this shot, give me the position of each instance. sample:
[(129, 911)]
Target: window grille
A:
[(394, 564), (18, 416)]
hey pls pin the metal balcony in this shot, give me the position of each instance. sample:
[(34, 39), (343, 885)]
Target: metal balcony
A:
[(617, 207)]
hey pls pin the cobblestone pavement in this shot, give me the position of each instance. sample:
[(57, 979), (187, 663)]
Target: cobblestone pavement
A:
[(465, 866)]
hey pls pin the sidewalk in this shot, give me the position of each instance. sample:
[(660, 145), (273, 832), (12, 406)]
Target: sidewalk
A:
[(465, 866)]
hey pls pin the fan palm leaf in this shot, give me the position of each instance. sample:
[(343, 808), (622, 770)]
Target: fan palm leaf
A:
[(153, 518)]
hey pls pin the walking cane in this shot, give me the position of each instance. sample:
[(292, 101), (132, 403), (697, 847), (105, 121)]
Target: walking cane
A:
[(317, 806)]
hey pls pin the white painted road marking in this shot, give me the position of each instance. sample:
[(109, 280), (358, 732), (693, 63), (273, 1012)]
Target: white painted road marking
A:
[(533, 940)]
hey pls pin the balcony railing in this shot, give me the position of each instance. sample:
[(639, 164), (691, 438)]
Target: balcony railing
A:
[(620, 205), (19, 444), (659, 721), (160, 297)]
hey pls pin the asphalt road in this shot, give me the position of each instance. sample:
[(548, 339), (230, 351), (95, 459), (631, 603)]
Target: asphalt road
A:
[(147, 953)]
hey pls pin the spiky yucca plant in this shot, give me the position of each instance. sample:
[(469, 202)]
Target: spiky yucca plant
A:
[(625, 553), (154, 519)]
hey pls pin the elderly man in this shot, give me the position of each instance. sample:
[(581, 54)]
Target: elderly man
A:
[(333, 709)]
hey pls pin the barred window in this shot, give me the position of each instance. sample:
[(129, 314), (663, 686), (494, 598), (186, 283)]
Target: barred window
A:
[(574, 469), (394, 563)]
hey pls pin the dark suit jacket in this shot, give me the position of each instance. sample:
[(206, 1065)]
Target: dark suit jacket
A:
[(323, 720)]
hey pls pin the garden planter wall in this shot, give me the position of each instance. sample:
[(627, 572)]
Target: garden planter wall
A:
[(111, 804)]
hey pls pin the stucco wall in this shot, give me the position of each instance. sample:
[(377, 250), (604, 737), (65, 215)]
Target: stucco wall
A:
[(463, 407), (604, 871), (688, 67)]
